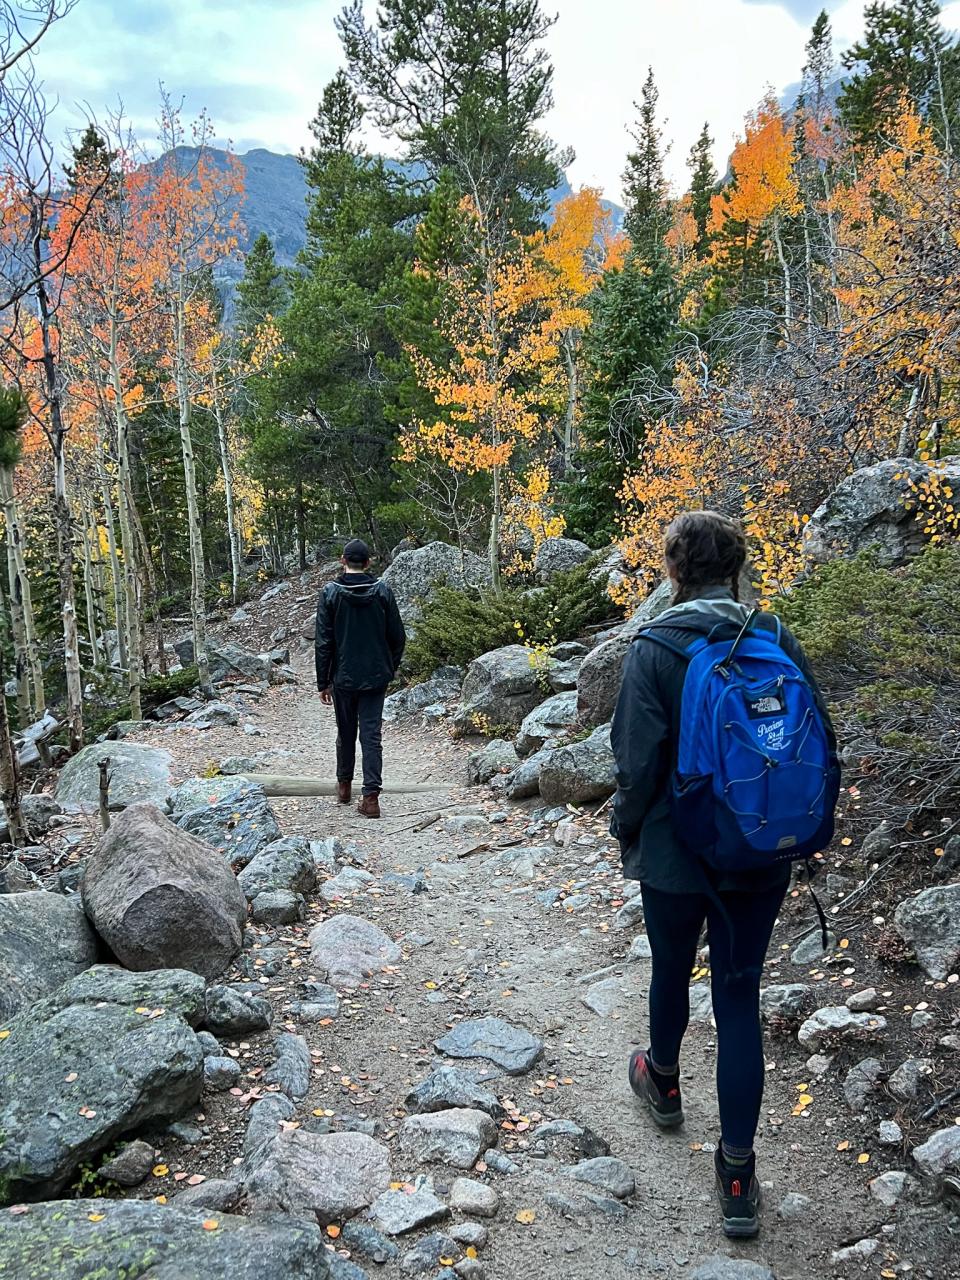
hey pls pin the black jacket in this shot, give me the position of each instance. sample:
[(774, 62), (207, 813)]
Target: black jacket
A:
[(645, 736), (360, 636)]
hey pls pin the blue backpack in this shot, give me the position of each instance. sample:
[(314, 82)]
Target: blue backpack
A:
[(756, 781)]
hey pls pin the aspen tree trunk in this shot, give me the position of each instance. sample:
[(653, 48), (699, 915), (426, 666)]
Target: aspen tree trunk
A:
[(302, 527), (61, 510), (910, 431), (493, 550), (146, 560), (88, 590), (808, 256), (570, 416), (787, 290), (131, 612), (198, 584), (31, 697), (116, 575), (10, 774), (226, 465)]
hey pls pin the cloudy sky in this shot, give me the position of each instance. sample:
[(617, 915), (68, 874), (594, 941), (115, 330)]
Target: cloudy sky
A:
[(259, 66)]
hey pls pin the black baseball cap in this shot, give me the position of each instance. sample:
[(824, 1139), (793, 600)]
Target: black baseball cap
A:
[(356, 551)]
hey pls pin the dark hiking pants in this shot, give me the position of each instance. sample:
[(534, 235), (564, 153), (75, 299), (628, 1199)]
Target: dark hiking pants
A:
[(673, 922), (360, 713)]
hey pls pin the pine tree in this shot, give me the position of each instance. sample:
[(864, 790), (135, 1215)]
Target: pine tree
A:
[(644, 184), (466, 84), (634, 312), (92, 159), (818, 73), (262, 292), (904, 50), (703, 187)]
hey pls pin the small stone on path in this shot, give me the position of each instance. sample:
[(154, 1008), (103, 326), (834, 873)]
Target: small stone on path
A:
[(130, 1166), (235, 1013), (454, 1137), (512, 1048), (474, 1199), (291, 1071), (397, 1212), (607, 1173)]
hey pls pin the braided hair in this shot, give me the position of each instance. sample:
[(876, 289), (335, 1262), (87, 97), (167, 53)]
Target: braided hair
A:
[(705, 549)]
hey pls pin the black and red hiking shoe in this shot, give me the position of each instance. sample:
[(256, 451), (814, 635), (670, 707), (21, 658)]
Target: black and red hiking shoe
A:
[(661, 1096), (739, 1194)]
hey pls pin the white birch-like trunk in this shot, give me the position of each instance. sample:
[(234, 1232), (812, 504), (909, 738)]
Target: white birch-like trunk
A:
[(130, 627), (116, 575), (226, 465), (787, 289), (88, 590), (198, 582), (31, 697)]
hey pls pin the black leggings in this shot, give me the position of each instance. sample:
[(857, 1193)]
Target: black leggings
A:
[(674, 921)]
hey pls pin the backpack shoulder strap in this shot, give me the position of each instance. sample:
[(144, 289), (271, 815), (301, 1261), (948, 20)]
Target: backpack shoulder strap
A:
[(686, 652)]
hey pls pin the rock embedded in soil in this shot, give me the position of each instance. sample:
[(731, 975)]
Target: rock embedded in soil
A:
[(499, 690), (222, 1194), (368, 1242), (788, 1000), (332, 1175), (509, 1047), (213, 713), (631, 913), (347, 949), (454, 1137), (864, 1001), (473, 1199), (640, 949), (238, 827), (889, 1134), (63, 1239), (580, 772), (16, 877), (930, 923), (838, 1022), (546, 723), (349, 881), (811, 949), (426, 1254), (76, 1073), (138, 774), (450, 1087), (603, 998), (720, 1268), (905, 1082), (940, 1153), (469, 1234), (44, 940), (291, 1070), (130, 1166), (397, 1212), (855, 1253), (220, 1073), (278, 907), (860, 1083), (498, 756), (235, 1013), (794, 1207), (606, 1173), (162, 899), (567, 1140), (178, 991), (889, 1188), (202, 793), (285, 864), (266, 1116)]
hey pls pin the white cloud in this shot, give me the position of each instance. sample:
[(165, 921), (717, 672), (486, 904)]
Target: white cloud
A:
[(261, 65)]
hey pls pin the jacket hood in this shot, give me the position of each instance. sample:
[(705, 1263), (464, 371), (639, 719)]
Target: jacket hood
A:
[(359, 589), (705, 612)]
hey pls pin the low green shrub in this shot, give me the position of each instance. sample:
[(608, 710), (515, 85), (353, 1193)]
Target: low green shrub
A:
[(457, 626)]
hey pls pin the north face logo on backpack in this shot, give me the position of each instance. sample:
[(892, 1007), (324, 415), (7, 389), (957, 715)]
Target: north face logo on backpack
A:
[(771, 705)]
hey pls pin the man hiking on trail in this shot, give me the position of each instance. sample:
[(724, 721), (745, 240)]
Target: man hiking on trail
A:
[(359, 644), (726, 771)]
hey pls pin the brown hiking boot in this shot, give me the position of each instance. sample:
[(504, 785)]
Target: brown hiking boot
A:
[(369, 806), (344, 790)]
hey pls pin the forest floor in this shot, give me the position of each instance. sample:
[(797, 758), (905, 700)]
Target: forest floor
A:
[(478, 942)]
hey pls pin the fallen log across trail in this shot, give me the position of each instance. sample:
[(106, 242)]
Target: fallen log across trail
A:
[(278, 784)]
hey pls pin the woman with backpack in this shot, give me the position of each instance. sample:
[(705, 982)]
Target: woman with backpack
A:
[(726, 772)]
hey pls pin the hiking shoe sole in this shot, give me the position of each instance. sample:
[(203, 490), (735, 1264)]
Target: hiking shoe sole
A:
[(647, 1092)]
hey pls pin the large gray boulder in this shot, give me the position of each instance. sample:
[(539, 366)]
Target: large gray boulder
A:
[(198, 793), (414, 575), (871, 509), (161, 898), (142, 1240), (231, 660), (443, 686), (87, 1065), (546, 722), (930, 923), (524, 781), (238, 826), (598, 682), (580, 772), (500, 689), (557, 555), (346, 949), (44, 940), (326, 1176), (137, 774)]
